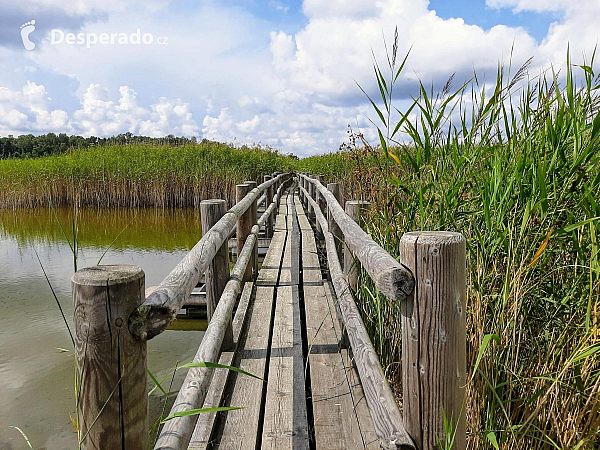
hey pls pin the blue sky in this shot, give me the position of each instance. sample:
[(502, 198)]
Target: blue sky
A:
[(264, 71)]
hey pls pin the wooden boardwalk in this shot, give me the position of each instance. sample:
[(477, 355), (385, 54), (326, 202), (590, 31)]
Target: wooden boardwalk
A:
[(291, 340), (290, 321)]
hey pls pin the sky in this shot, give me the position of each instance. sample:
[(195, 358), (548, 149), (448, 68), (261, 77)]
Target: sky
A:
[(269, 72)]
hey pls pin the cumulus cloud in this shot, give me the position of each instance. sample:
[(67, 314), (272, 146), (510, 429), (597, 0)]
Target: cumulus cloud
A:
[(29, 110), (253, 82)]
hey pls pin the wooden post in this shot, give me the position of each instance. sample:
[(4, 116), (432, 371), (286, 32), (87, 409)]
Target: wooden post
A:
[(254, 211), (354, 209), (311, 193), (243, 228), (217, 272), (433, 338), (270, 194), (334, 228), (111, 364), (320, 200)]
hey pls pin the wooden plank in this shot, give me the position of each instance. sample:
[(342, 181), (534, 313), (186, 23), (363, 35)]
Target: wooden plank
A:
[(335, 422), (206, 422), (391, 278), (380, 399), (241, 426), (361, 409), (285, 423)]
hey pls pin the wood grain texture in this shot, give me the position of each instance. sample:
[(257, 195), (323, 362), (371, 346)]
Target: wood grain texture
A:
[(244, 225), (253, 218), (201, 436), (321, 203), (361, 409), (270, 194), (217, 272), (285, 424), (335, 421), (241, 429), (433, 337), (111, 364), (355, 210), (336, 190), (160, 308), (380, 399), (391, 278), (177, 432)]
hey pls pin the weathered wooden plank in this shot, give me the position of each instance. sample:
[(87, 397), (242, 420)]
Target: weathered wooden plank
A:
[(391, 278), (285, 423), (177, 432), (380, 399), (241, 426), (204, 426), (269, 271), (433, 337), (161, 307), (361, 409)]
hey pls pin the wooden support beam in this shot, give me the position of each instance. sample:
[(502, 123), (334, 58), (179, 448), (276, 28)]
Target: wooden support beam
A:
[(111, 364), (433, 338), (336, 190), (321, 203), (254, 218), (354, 209), (270, 194), (217, 272), (244, 225)]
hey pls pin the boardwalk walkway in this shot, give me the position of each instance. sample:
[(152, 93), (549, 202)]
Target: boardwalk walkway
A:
[(286, 361), (291, 340)]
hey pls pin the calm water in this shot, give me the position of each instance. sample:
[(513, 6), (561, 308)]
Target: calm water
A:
[(36, 353)]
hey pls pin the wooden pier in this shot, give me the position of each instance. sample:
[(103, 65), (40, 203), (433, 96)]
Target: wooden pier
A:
[(291, 321)]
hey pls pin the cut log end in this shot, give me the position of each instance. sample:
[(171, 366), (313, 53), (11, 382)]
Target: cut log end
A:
[(151, 318), (396, 283)]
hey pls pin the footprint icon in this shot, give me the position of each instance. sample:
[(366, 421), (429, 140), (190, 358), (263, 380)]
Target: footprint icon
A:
[(26, 29)]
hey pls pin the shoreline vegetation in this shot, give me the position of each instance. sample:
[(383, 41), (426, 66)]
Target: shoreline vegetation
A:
[(135, 175)]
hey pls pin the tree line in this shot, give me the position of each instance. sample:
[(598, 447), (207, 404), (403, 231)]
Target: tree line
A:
[(30, 146)]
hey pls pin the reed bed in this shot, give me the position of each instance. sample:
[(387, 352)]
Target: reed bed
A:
[(135, 175), (516, 169)]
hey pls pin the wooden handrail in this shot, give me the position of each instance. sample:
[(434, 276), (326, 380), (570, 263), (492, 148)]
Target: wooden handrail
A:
[(386, 416), (177, 432), (391, 278), (160, 308)]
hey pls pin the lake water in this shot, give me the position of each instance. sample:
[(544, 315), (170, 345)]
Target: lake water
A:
[(36, 354)]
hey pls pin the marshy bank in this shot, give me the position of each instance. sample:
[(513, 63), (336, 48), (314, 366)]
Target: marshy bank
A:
[(135, 175)]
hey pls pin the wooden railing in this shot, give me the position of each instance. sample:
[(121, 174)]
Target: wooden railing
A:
[(113, 321), (430, 281)]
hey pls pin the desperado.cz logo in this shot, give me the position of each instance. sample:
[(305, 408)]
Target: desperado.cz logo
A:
[(58, 37)]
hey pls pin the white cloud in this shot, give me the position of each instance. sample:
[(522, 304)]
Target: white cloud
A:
[(295, 91), (29, 110)]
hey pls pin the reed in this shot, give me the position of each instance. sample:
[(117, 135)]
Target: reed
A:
[(516, 170), (135, 175)]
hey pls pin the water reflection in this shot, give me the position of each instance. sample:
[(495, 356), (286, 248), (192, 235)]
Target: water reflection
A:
[(36, 357)]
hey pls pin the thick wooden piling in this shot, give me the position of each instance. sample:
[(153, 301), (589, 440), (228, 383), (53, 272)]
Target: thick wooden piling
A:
[(217, 272), (320, 202), (111, 364), (243, 227), (354, 209), (336, 190), (433, 338)]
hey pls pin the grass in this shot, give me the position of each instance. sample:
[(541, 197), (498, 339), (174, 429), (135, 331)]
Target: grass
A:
[(135, 175), (514, 165)]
